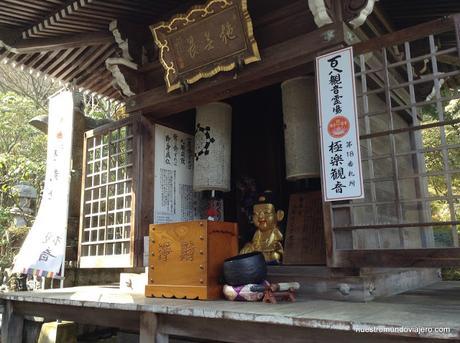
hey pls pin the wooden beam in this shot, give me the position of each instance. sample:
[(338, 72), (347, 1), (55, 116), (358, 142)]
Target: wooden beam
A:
[(236, 331), (148, 331), (8, 37), (66, 64), (12, 324), (61, 12), (456, 19), (448, 59), (411, 33), (125, 320), (279, 62), (401, 258), (32, 45)]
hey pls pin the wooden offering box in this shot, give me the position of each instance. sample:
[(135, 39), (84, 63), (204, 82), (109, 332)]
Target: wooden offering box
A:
[(186, 259)]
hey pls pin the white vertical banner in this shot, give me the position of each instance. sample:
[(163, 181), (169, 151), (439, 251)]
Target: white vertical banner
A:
[(43, 251), (342, 176)]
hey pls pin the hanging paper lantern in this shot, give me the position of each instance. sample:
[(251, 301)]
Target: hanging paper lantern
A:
[(301, 128), (213, 132)]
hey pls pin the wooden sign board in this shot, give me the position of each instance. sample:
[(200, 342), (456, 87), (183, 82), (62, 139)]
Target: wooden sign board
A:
[(342, 172), (208, 39), (304, 243)]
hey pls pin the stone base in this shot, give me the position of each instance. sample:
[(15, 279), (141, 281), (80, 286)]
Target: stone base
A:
[(54, 332), (133, 282), (353, 285)]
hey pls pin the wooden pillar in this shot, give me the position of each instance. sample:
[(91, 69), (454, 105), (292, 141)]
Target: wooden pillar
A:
[(148, 330), (12, 324), (79, 129)]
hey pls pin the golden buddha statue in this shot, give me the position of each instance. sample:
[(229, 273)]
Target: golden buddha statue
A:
[(268, 237)]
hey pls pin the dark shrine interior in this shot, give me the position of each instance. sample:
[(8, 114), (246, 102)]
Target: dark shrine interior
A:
[(257, 155)]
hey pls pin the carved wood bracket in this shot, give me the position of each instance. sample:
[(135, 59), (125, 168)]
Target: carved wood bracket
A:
[(354, 12), (132, 40), (125, 78), (322, 12)]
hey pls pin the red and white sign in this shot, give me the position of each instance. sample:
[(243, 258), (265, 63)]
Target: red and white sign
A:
[(342, 176)]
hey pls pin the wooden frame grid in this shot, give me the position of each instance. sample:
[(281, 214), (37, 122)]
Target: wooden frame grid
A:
[(396, 215), (111, 229)]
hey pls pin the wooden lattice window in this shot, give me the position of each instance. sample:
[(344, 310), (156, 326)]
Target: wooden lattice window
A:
[(409, 115), (111, 233)]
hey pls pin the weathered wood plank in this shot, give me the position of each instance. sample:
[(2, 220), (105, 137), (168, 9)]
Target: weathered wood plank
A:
[(244, 331), (148, 331), (34, 45), (145, 182), (329, 235), (400, 258), (31, 331), (148, 325), (88, 315), (411, 33), (336, 317), (304, 238), (12, 324)]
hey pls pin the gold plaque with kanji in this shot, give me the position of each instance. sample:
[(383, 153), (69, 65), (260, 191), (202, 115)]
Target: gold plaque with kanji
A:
[(207, 40)]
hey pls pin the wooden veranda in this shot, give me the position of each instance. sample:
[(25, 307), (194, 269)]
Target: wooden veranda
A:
[(426, 315), (406, 64)]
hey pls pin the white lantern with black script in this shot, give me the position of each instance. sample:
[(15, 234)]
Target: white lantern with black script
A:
[(213, 132)]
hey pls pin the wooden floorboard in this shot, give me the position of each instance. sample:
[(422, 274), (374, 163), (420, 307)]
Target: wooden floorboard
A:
[(434, 306)]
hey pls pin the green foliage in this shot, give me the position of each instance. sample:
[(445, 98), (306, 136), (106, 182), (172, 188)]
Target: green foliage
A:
[(451, 274), (22, 148), (24, 95), (435, 160), (10, 243), (103, 109), (5, 217), (22, 159), (26, 84)]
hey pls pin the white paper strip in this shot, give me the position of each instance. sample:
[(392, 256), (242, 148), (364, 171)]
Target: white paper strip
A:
[(174, 199)]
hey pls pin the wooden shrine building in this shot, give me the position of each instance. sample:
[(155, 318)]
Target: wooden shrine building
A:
[(393, 239)]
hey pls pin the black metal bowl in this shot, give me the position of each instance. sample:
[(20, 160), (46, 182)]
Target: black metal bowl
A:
[(245, 269)]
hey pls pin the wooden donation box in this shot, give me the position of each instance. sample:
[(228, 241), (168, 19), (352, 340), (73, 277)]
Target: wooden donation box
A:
[(186, 259)]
